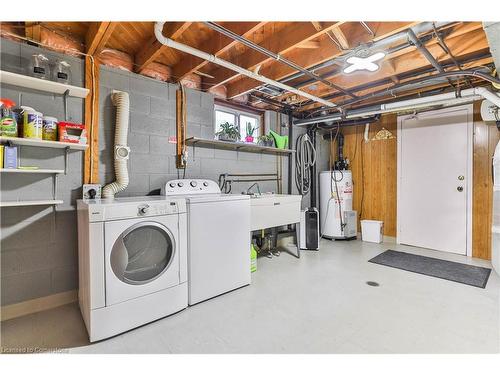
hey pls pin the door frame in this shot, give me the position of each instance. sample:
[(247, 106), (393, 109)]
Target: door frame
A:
[(470, 160)]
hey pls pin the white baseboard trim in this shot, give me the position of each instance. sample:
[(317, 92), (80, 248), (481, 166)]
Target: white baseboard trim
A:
[(38, 304)]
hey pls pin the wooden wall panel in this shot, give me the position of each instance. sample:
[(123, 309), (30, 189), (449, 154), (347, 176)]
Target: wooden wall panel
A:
[(380, 177), (375, 194), (486, 137)]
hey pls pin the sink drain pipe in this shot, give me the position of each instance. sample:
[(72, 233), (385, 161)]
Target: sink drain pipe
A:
[(121, 101)]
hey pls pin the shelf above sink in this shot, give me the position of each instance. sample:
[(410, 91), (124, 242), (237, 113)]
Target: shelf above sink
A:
[(237, 146)]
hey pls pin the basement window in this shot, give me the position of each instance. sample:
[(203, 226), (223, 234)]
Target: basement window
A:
[(239, 119)]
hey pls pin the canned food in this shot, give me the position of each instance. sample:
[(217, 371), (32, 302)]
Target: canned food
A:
[(49, 131)]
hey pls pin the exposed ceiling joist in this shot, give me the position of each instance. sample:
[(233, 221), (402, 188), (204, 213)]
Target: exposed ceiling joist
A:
[(97, 36), (277, 71), (215, 44), (281, 42), (153, 48)]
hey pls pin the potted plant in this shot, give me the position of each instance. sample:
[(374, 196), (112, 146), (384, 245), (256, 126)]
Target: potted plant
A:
[(250, 131), (265, 140), (228, 133)]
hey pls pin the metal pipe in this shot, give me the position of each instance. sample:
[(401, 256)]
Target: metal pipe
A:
[(290, 156), (274, 56), (421, 28), (400, 77), (158, 29), (446, 99)]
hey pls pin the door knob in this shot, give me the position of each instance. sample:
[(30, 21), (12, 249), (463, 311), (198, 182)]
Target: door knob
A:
[(460, 188)]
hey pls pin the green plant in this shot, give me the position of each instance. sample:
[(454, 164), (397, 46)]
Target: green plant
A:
[(250, 129), (265, 138), (229, 131)]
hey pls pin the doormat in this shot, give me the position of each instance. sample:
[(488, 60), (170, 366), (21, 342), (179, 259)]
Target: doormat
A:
[(443, 269)]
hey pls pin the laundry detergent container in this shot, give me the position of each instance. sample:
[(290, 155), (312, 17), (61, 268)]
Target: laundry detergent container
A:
[(372, 231)]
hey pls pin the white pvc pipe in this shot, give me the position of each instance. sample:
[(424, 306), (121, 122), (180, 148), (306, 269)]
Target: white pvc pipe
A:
[(449, 98), (226, 64), (121, 151)]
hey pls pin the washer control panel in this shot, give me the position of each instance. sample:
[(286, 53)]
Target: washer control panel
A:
[(190, 186), (123, 209), (145, 209)]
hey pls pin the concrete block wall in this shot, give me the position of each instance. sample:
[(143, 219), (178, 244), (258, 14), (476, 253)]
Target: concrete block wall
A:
[(39, 244), (152, 122)]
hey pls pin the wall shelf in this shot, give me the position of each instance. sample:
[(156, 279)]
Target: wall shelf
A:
[(237, 146), (47, 202), (34, 171), (41, 143), (42, 84)]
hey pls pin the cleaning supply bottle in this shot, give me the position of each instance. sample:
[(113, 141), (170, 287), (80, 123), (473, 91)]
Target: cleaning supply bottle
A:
[(8, 123), (253, 258)]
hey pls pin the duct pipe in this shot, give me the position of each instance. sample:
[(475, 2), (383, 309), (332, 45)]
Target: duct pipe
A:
[(447, 99), (276, 57), (226, 64), (121, 101), (424, 51)]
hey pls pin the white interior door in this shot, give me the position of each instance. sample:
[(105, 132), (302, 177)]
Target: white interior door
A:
[(434, 179)]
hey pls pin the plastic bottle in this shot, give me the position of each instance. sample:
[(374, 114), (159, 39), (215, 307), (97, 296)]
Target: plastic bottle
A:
[(253, 258), (8, 123)]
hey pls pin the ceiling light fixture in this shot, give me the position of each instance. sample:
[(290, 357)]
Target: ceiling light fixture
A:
[(364, 63)]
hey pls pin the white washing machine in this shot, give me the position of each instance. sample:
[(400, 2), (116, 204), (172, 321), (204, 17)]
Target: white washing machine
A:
[(218, 237), (132, 255)]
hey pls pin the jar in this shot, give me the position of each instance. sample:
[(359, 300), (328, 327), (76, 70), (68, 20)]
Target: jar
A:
[(39, 66), (32, 125), (49, 130), (61, 72)]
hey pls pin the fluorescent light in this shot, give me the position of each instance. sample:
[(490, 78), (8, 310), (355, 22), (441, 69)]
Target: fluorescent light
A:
[(364, 63)]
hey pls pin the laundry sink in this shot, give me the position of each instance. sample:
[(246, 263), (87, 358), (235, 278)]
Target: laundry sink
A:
[(273, 210)]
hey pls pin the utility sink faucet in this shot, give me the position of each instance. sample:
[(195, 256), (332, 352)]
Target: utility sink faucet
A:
[(251, 186)]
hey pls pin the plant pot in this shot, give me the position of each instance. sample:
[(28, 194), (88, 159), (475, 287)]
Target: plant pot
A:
[(268, 143), (249, 139), (226, 138)]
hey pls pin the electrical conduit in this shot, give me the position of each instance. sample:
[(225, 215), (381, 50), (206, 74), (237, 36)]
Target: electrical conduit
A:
[(121, 101)]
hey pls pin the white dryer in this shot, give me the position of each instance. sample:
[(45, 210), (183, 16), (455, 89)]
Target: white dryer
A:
[(218, 237), (132, 256)]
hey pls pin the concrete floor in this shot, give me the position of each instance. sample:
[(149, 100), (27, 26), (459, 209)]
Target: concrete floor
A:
[(318, 304)]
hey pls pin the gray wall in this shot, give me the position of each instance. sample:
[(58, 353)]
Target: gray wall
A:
[(152, 121), (38, 244)]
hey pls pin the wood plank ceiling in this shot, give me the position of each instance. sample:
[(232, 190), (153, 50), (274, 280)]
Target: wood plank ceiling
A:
[(305, 43)]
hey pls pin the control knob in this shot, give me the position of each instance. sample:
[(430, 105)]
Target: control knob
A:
[(180, 184), (193, 183), (172, 185), (143, 209), (205, 184)]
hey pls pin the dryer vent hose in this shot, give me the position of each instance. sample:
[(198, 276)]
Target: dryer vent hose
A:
[(121, 151)]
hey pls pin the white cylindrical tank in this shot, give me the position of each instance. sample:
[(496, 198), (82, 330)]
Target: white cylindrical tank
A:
[(335, 189)]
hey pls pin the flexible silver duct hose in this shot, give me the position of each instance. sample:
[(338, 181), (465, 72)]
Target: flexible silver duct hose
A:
[(121, 151), (305, 158)]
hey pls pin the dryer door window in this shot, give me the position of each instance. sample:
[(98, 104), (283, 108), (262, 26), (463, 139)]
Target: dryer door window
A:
[(142, 253)]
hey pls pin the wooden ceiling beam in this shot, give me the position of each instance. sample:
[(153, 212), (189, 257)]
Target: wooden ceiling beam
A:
[(98, 35), (276, 70), (280, 42), (32, 31), (216, 44), (153, 48), (461, 46)]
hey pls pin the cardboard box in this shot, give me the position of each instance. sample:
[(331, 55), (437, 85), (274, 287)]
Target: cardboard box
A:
[(72, 133)]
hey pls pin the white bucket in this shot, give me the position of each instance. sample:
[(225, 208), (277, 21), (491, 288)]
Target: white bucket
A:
[(372, 231)]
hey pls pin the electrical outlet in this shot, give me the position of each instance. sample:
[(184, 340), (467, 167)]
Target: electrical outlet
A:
[(92, 191)]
